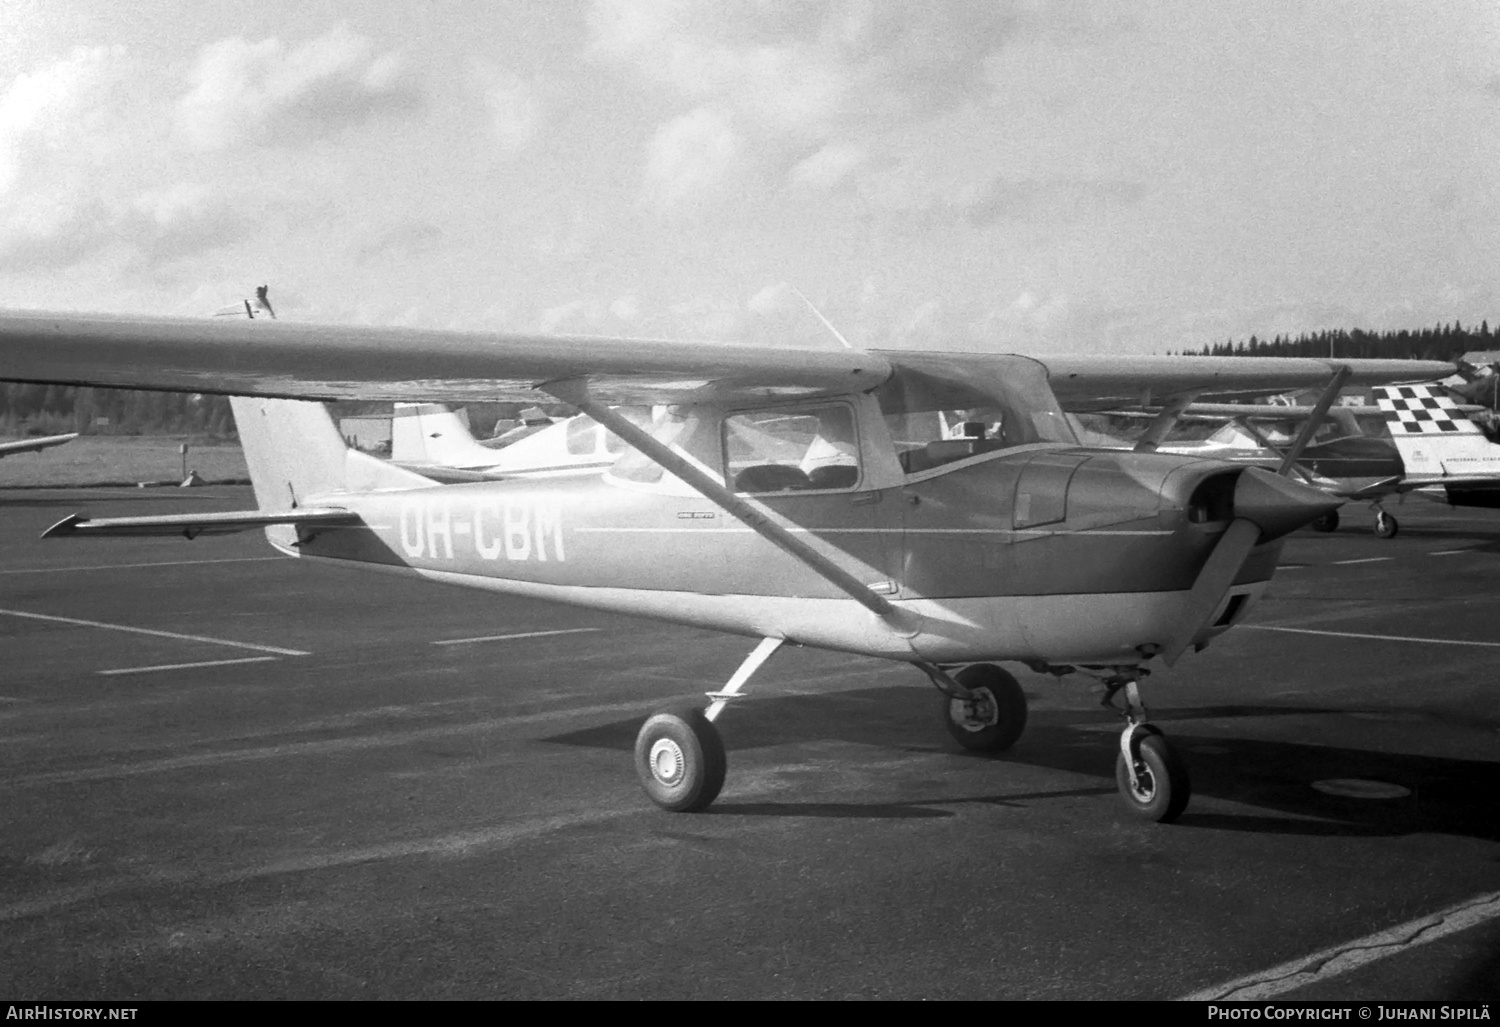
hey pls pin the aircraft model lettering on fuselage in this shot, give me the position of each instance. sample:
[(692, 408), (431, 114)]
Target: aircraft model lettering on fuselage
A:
[(931, 508)]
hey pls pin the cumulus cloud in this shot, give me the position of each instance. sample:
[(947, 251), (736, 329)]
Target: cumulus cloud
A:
[(152, 228), (692, 158), (795, 77), (1008, 199), (405, 241), (512, 105), (268, 93), (81, 139), (68, 109), (829, 167)]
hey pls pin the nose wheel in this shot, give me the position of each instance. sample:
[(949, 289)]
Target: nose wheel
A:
[(1151, 777), (1385, 525)]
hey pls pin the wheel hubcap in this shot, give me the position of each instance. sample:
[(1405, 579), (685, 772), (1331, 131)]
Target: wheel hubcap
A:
[(667, 761), (1144, 789), (977, 713)]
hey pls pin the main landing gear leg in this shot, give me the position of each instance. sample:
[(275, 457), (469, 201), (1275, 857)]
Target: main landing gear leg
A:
[(1151, 777), (679, 756)]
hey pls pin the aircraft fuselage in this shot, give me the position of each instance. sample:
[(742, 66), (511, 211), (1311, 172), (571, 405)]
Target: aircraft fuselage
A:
[(1049, 553)]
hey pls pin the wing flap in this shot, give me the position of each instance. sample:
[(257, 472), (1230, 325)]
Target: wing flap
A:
[(1097, 383), (192, 525)]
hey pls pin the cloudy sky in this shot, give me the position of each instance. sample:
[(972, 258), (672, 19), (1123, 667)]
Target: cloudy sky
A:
[(1021, 176)]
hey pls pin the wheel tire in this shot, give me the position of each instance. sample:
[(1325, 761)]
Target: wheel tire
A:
[(1386, 526), (1328, 522), (1164, 784), (680, 760), (1000, 716)]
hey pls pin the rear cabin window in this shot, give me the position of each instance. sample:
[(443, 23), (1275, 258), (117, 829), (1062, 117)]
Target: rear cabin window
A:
[(792, 450)]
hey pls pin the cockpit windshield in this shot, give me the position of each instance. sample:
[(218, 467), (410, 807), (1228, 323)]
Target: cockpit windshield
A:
[(939, 411)]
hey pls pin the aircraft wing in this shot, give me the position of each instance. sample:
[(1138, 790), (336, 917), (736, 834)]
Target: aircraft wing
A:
[(192, 525), (1084, 383), (35, 445), (329, 362)]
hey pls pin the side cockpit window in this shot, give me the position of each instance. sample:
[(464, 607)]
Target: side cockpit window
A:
[(940, 411), (799, 449)]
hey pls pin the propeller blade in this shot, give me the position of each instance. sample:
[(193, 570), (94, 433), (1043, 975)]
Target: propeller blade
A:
[(1266, 506), (1213, 581)]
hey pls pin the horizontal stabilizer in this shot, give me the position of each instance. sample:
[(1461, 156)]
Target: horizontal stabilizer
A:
[(36, 445), (192, 525)]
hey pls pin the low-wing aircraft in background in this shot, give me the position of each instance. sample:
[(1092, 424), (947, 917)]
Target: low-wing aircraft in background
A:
[(434, 441), (805, 497), (35, 445)]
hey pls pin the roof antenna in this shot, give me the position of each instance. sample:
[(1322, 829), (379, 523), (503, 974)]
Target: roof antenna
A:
[(826, 323)]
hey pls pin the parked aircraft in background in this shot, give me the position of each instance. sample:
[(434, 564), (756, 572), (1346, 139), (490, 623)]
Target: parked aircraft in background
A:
[(1362, 453), (807, 497), (433, 440), (35, 445)]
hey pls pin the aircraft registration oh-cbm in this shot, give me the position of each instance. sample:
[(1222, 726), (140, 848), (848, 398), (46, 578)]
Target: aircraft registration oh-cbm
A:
[(818, 498)]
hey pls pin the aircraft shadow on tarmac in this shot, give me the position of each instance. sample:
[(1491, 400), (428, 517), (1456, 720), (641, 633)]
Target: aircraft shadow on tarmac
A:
[(1447, 796)]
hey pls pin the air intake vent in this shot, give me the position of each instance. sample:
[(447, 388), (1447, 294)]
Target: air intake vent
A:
[(1213, 500)]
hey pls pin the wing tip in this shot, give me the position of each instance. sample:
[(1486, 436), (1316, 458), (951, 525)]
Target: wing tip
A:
[(67, 526)]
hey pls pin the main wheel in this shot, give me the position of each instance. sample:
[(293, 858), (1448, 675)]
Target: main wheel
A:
[(680, 760), (1162, 787), (1385, 525), (994, 718), (1328, 522)]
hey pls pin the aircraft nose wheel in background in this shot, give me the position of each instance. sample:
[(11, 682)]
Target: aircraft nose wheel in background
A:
[(680, 759), (1385, 525), (992, 719), (1328, 522)]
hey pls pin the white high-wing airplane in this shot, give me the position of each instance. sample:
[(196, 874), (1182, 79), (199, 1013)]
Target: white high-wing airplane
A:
[(807, 497), (35, 445)]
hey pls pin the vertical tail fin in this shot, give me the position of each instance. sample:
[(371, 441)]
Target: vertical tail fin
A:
[(1432, 435), (294, 451), (430, 433)]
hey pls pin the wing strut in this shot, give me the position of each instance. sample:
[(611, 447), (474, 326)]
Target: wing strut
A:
[(576, 392), (1314, 420), (1164, 422)]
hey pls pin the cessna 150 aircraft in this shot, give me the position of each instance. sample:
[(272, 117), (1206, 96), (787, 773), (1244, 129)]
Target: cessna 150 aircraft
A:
[(803, 497)]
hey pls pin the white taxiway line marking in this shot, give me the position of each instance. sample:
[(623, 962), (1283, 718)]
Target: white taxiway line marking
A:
[(1447, 552), (187, 666), (1340, 959), (1368, 559), (507, 638), (1360, 634), (160, 634), (133, 566)]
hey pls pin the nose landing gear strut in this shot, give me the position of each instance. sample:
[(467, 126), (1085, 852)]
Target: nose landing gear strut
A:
[(1150, 775)]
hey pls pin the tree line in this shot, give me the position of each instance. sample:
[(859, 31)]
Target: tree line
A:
[(1440, 342), (30, 409)]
